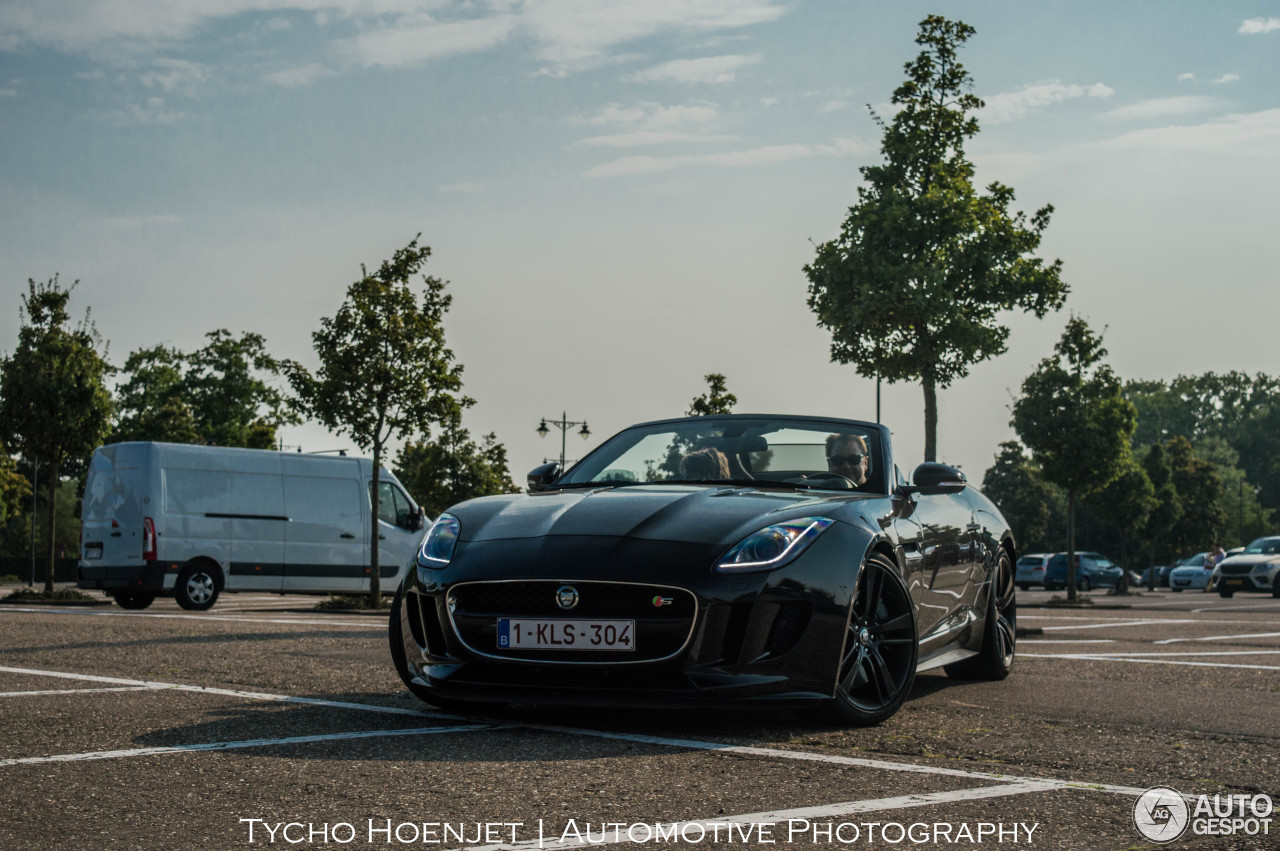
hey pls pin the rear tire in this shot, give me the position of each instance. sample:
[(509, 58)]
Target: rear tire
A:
[(1084, 584), (197, 588), (1175, 590), (133, 599), (878, 661), (999, 632), (1024, 586)]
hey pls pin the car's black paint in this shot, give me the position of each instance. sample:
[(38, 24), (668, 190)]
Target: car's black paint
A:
[(775, 636)]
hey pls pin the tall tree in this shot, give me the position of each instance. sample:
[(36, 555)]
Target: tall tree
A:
[(54, 403), (152, 401), (227, 385), (453, 467), (1076, 422), (1126, 502), (1200, 492), (14, 487), (1035, 508), (717, 399), (913, 286), (1167, 508), (384, 367)]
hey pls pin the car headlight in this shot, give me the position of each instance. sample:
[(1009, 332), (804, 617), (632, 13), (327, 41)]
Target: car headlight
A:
[(773, 546), (437, 547)]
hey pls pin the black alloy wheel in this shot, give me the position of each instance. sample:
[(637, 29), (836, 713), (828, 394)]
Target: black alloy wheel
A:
[(133, 599), (1084, 584), (999, 632), (878, 661), (196, 588)]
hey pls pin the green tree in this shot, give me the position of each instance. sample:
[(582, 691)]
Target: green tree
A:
[(54, 403), (226, 385), (717, 399), (1167, 508), (1200, 491), (453, 467), (15, 490), (913, 286), (384, 367), (1126, 502), (1076, 422), (1036, 509), (151, 402)]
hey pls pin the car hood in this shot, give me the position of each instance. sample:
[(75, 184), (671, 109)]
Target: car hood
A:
[(1188, 568), (1251, 559), (687, 513)]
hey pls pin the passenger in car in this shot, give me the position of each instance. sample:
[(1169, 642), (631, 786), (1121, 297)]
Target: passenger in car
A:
[(704, 465)]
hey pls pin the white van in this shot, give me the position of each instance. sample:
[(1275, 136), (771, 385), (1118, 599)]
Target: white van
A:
[(192, 521)]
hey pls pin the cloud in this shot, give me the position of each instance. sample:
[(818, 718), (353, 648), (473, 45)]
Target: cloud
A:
[(151, 111), (653, 116), (1165, 107), (413, 40), (1258, 26), (832, 106), (135, 222), (750, 158), (1228, 78), (464, 188), (9, 93), (714, 70), (643, 138), (1006, 106), (303, 75), (175, 75), (1187, 76), (1255, 135)]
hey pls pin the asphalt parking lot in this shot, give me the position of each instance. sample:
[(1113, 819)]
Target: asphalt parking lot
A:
[(263, 723)]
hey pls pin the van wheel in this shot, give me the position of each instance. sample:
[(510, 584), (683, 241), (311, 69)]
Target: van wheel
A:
[(133, 599), (197, 588)]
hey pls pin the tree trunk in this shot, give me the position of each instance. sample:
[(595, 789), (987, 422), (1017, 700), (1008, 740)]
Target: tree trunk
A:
[(1071, 546), (375, 572), (930, 418), (53, 531)]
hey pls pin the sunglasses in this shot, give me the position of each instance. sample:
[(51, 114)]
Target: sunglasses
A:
[(845, 460)]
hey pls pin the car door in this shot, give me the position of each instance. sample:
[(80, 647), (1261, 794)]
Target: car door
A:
[(947, 561), (327, 548)]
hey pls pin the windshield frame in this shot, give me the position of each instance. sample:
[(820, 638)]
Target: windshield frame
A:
[(880, 481)]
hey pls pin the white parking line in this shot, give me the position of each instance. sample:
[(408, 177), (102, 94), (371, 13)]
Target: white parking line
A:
[(1066, 641), (250, 743), (1109, 624), (376, 623), (71, 691), (249, 695), (726, 825), (1097, 658), (1220, 637)]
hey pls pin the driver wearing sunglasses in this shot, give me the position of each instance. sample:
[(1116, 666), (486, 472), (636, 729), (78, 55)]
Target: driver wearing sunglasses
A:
[(847, 456)]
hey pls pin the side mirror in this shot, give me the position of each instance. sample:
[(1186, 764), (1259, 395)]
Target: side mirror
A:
[(932, 478), (542, 478), (417, 518)]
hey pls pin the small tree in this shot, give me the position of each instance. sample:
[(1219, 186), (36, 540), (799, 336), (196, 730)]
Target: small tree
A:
[(453, 467), (1076, 422), (1032, 505), (912, 287), (384, 367), (1127, 502), (152, 401), (717, 399), (54, 403), (1167, 508), (14, 487)]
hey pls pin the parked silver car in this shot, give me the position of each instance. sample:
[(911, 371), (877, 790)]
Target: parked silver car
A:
[(1030, 570)]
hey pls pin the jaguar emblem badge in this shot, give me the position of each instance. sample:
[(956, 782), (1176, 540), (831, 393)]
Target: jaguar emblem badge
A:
[(566, 597)]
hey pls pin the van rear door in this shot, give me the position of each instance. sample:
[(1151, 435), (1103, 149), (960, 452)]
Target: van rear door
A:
[(113, 509)]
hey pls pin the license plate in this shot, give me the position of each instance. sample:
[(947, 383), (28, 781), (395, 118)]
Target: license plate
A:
[(91, 551), (1233, 582), (566, 634)]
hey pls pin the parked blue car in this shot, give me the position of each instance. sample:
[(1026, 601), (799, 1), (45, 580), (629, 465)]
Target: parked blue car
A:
[(1092, 571)]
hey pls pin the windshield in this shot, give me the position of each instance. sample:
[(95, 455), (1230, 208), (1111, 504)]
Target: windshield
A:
[(1264, 546), (767, 452)]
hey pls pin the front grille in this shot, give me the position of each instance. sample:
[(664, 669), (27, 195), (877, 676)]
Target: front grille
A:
[(661, 631), (1236, 569)]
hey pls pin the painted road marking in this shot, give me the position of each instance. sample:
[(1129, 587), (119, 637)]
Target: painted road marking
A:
[(1109, 624), (1220, 637), (72, 691), (1066, 641), (249, 743), (376, 623), (249, 695), (1098, 658)]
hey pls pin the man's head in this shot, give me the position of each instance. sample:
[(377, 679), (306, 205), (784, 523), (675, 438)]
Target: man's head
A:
[(847, 456)]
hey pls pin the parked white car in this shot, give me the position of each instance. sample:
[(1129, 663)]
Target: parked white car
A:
[(1192, 572), (1257, 568)]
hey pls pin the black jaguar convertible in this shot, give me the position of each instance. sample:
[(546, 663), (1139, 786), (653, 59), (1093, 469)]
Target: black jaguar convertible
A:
[(738, 559)]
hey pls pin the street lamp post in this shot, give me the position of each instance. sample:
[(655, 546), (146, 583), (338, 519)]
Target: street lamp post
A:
[(564, 424)]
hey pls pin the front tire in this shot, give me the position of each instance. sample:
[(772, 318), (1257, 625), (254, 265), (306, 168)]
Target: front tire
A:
[(133, 599), (999, 633), (395, 635), (1084, 584), (1225, 592), (878, 658), (196, 588)]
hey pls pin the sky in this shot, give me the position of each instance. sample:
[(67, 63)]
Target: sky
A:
[(622, 195)]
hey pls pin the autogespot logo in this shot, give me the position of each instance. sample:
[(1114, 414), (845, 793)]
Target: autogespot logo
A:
[(1161, 814)]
